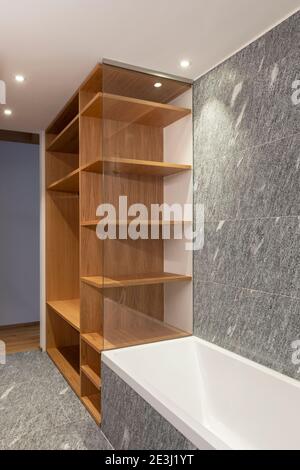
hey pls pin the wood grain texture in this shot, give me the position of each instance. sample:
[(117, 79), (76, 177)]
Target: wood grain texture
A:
[(135, 167), (90, 140), (90, 363), (69, 310), (62, 246), (132, 110), (67, 140), (66, 115), (21, 338), (91, 310), (140, 85), (107, 142), (67, 184), (59, 165), (134, 280), (91, 194), (125, 327), (66, 360), (94, 340)]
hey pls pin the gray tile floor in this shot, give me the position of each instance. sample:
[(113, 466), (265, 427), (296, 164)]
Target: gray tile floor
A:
[(38, 409)]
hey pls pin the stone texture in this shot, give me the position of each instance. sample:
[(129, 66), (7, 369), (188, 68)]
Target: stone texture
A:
[(261, 254), (38, 409), (258, 182), (247, 164), (253, 324), (129, 422)]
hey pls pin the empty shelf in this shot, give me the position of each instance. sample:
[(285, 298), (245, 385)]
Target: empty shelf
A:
[(92, 403), (68, 184), (134, 280), (136, 167), (67, 140), (132, 110), (125, 327), (66, 360), (95, 340), (91, 375), (69, 310)]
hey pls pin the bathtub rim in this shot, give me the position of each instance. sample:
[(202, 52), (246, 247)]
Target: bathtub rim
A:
[(198, 434)]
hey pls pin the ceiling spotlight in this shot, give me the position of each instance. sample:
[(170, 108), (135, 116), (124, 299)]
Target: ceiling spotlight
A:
[(185, 64), (157, 85), (19, 78), (8, 112)]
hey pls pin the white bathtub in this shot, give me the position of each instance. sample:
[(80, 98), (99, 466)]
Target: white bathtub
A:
[(215, 398)]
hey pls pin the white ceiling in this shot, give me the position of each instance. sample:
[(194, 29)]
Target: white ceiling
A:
[(55, 43)]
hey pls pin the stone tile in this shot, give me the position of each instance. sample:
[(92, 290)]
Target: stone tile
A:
[(258, 182), (238, 106), (130, 422), (253, 324), (38, 409), (79, 436), (258, 254), (20, 367)]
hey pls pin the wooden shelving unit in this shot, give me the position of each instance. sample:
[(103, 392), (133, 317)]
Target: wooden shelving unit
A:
[(102, 294)]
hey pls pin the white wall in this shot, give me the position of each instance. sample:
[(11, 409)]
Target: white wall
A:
[(178, 148), (19, 233)]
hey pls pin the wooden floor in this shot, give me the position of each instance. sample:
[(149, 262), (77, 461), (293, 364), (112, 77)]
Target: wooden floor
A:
[(21, 338)]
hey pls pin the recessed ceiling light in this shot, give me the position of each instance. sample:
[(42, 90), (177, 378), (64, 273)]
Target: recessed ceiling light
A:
[(157, 85), (185, 63), (19, 78), (8, 112)]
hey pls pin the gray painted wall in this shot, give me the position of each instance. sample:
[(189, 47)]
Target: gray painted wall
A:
[(247, 170), (19, 233)]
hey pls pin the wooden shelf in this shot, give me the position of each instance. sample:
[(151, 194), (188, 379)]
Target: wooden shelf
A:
[(95, 340), (94, 223), (135, 167), (91, 375), (66, 360), (92, 403), (125, 327), (132, 110), (69, 310), (67, 140), (67, 114), (68, 184), (137, 280)]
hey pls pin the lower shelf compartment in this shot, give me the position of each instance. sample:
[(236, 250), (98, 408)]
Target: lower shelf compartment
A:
[(66, 360), (91, 375), (92, 403)]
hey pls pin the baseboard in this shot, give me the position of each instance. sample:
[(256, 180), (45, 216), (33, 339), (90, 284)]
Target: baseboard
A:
[(19, 325)]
